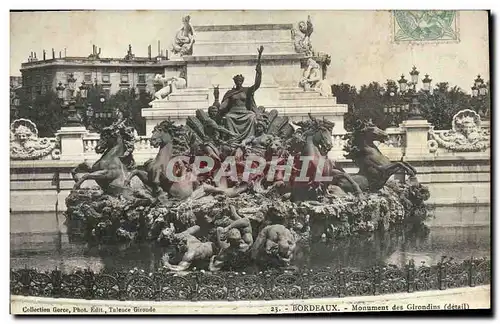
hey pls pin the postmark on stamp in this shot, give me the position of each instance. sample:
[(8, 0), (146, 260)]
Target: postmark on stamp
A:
[(425, 25)]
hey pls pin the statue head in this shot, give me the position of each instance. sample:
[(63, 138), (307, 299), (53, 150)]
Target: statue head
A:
[(213, 112), (370, 132), (238, 80), (466, 122), (186, 19), (22, 130), (260, 127), (23, 134), (303, 27), (163, 133), (233, 237)]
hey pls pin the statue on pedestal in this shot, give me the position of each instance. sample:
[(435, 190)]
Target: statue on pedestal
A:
[(168, 85), (238, 105), (302, 41), (184, 39), (312, 80)]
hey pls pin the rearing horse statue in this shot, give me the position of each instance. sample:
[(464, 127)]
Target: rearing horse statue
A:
[(314, 140), (170, 139), (374, 167), (116, 145)]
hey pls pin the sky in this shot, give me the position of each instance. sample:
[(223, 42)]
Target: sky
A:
[(360, 42)]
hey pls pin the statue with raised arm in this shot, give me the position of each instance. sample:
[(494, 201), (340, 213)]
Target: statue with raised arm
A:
[(301, 39), (238, 105), (184, 39)]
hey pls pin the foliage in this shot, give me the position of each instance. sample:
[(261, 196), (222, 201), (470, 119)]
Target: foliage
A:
[(44, 110), (438, 107)]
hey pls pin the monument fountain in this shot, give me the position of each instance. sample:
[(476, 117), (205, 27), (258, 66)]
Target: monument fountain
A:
[(240, 186), (246, 185)]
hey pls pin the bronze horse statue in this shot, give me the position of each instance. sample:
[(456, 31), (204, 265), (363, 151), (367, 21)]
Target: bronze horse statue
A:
[(374, 167), (116, 144), (314, 140), (170, 139)]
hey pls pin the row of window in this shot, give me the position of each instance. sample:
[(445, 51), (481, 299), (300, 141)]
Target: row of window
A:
[(123, 78)]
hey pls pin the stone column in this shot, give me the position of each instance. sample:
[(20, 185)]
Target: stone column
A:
[(72, 143), (417, 133)]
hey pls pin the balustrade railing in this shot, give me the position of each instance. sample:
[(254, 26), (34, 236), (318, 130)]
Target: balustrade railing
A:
[(327, 282)]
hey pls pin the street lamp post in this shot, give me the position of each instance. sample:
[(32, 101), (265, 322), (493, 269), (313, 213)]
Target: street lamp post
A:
[(407, 98), (74, 119), (479, 96)]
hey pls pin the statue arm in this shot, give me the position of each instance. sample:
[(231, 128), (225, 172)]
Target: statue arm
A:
[(192, 230), (187, 259), (258, 71), (224, 106), (220, 242), (309, 27), (258, 78)]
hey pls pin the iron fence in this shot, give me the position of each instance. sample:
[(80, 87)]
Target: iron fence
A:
[(165, 285)]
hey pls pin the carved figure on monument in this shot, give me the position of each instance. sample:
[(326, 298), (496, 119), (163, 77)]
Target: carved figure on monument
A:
[(25, 144), (466, 134), (302, 38), (234, 241), (261, 141), (374, 167), (193, 249), (116, 144), (184, 39), (238, 105), (312, 80), (274, 246), (168, 85)]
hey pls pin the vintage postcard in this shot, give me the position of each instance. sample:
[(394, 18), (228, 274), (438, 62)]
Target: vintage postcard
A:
[(249, 162)]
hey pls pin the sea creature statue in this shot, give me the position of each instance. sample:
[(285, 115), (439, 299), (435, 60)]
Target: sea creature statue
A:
[(313, 81), (302, 38), (168, 85), (116, 144), (466, 134), (184, 38), (314, 140), (374, 167), (25, 144), (171, 141)]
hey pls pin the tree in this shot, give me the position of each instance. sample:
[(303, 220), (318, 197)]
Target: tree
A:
[(442, 104), (44, 110), (438, 106)]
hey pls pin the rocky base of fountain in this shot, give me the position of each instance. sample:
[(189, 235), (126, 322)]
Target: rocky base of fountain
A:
[(104, 219)]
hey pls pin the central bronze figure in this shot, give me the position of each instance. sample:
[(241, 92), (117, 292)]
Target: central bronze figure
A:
[(238, 105)]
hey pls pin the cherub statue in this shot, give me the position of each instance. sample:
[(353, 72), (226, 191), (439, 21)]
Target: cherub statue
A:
[(184, 39), (24, 141), (302, 41), (312, 80)]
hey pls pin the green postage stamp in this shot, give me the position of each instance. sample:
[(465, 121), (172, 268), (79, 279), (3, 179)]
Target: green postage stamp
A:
[(425, 25)]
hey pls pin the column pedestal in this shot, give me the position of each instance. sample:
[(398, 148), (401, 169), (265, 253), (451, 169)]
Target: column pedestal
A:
[(417, 135), (72, 143)]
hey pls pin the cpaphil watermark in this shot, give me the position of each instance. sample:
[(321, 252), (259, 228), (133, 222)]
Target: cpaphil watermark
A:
[(302, 168)]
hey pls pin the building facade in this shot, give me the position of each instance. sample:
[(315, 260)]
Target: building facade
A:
[(113, 74)]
